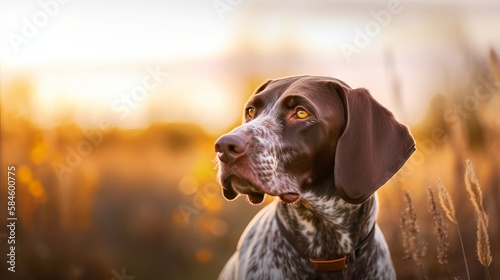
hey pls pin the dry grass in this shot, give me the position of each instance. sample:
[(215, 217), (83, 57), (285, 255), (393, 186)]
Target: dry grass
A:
[(483, 243), (494, 65), (410, 229), (474, 190), (446, 202), (476, 197), (461, 122), (449, 208), (440, 229)]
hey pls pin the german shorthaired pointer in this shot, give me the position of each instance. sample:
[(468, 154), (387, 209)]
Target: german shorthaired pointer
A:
[(323, 149)]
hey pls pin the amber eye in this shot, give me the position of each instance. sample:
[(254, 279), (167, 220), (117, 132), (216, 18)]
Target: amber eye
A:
[(251, 112), (301, 114)]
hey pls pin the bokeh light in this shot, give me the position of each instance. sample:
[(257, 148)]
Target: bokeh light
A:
[(110, 109)]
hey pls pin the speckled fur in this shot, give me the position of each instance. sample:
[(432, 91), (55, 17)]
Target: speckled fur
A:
[(319, 225), (268, 154), (323, 228)]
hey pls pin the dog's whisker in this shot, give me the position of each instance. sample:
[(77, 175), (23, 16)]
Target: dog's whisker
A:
[(215, 160)]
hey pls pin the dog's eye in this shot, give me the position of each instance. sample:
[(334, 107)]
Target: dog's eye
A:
[(251, 112), (301, 114)]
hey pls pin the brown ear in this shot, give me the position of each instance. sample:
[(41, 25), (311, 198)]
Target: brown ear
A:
[(372, 148)]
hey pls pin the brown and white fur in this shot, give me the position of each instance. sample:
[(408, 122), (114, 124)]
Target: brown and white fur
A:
[(323, 149)]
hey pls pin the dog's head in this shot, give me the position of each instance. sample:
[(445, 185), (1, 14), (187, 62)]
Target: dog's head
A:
[(300, 132)]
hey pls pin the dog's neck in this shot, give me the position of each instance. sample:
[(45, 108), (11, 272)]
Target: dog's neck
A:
[(325, 226)]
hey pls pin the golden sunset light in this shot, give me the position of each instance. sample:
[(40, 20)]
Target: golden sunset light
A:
[(112, 114)]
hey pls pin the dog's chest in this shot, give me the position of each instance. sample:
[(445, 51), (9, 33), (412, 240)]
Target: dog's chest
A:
[(265, 252)]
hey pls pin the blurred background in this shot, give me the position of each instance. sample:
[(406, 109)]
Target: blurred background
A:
[(109, 112)]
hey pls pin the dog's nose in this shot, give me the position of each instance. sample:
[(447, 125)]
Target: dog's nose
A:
[(230, 147)]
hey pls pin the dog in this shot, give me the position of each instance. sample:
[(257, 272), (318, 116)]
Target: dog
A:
[(323, 149)]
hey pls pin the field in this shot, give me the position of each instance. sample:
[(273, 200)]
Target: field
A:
[(101, 202)]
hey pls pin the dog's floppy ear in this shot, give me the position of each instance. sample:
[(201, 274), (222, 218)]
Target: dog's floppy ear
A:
[(372, 148)]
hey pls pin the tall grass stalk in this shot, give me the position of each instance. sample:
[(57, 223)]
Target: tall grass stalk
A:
[(483, 245), (449, 209), (410, 229), (476, 197), (494, 65), (474, 190), (441, 231)]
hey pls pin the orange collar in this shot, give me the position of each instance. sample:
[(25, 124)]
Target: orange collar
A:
[(328, 265)]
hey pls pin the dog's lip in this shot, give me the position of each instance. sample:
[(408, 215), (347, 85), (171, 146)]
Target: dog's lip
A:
[(243, 186), (255, 195), (289, 197), (255, 198)]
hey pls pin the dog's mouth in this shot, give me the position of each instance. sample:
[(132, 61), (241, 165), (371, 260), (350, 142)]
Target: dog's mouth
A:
[(235, 185)]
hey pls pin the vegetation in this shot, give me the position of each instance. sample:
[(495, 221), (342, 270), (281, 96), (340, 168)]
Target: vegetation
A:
[(147, 200)]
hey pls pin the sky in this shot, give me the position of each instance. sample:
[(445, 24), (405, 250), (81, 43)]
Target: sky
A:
[(84, 58)]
